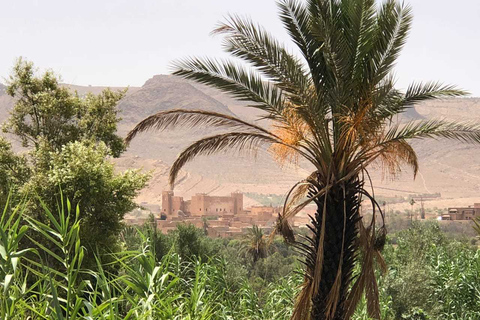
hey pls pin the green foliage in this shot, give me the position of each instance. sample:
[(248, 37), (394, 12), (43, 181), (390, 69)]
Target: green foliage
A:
[(191, 243), (431, 276), (188, 241), (255, 244), (64, 237), (86, 176), (11, 233), (267, 199), (45, 110), (71, 139), (14, 171)]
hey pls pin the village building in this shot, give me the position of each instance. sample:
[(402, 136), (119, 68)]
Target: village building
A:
[(219, 216), (201, 205), (462, 213)]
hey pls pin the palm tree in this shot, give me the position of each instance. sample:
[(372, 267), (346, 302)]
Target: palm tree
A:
[(255, 244), (334, 105)]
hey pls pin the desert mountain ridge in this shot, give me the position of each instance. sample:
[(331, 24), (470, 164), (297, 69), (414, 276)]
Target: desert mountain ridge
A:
[(446, 167)]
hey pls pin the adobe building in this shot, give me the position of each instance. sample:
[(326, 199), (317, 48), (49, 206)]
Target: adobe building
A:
[(202, 205), (468, 213), (220, 216)]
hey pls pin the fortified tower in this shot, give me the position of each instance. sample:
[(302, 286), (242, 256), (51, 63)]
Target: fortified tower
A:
[(238, 204), (171, 204), (167, 205)]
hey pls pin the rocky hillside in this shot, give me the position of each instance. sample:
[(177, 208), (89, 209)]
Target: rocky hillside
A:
[(164, 93), (450, 168)]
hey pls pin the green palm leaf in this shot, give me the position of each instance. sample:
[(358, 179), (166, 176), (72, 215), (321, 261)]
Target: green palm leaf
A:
[(234, 141), (191, 119)]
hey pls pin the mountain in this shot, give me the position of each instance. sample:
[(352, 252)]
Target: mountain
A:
[(451, 168), (446, 167), (164, 93)]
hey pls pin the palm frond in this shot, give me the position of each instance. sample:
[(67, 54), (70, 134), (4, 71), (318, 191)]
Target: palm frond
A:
[(391, 102), (190, 119), (239, 82), (476, 227), (360, 25), (460, 131), (299, 191), (393, 150), (235, 141), (418, 92), (394, 22), (251, 43), (297, 20), (393, 155)]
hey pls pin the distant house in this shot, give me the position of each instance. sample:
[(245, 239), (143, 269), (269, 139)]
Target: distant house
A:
[(462, 213), (202, 204)]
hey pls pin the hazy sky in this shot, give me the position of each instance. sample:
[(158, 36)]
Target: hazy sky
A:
[(119, 43)]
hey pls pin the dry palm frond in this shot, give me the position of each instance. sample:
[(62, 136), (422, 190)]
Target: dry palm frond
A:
[(299, 191), (282, 223), (190, 119), (371, 243), (476, 227), (317, 273), (303, 303), (393, 155), (283, 228), (366, 281), (292, 131)]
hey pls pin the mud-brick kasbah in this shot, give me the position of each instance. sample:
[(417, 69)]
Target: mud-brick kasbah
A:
[(219, 216)]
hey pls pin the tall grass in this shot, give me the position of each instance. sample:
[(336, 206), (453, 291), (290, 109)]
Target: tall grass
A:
[(429, 278), (51, 282)]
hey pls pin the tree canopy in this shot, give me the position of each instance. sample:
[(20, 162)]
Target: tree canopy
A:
[(44, 109), (70, 140)]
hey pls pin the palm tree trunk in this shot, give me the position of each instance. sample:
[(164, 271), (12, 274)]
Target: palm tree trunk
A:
[(341, 217)]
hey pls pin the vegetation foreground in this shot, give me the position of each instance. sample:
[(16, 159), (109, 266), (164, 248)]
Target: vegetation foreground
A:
[(186, 275)]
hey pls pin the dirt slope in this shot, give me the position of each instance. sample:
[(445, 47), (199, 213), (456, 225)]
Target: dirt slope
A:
[(451, 168)]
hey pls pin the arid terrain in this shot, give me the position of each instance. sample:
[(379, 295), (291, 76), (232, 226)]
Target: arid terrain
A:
[(449, 168)]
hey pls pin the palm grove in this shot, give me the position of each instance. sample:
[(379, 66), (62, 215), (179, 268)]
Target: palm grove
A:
[(334, 106)]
